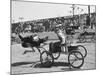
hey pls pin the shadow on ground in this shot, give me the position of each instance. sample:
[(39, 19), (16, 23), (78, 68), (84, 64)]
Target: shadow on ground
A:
[(39, 65), (55, 64), (21, 63), (66, 66)]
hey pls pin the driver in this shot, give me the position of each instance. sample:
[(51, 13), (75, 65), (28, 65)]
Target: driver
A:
[(62, 37), (32, 41)]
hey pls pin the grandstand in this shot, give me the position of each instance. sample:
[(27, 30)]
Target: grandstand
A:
[(49, 23)]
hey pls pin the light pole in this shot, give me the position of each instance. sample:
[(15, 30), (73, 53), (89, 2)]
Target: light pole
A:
[(73, 8), (89, 15)]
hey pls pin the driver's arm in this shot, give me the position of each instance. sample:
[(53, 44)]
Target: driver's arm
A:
[(43, 40)]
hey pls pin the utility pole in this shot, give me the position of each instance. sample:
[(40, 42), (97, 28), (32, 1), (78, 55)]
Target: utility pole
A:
[(73, 8), (89, 15)]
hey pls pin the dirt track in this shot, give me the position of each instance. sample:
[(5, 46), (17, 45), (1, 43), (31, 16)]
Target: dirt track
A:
[(22, 63)]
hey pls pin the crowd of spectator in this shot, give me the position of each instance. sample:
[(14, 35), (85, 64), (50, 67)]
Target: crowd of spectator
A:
[(50, 23)]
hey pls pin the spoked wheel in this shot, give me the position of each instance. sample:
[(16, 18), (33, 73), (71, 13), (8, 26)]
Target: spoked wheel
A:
[(46, 59), (75, 59), (56, 55), (83, 50)]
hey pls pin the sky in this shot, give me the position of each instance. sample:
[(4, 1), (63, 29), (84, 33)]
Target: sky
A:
[(25, 11)]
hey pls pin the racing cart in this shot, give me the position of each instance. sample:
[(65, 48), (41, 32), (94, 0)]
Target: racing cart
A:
[(75, 56)]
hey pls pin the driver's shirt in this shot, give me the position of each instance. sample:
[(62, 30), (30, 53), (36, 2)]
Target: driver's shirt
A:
[(61, 35)]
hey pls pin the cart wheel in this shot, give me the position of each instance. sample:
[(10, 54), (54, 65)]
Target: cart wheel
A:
[(56, 55), (83, 50), (75, 59), (46, 59)]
